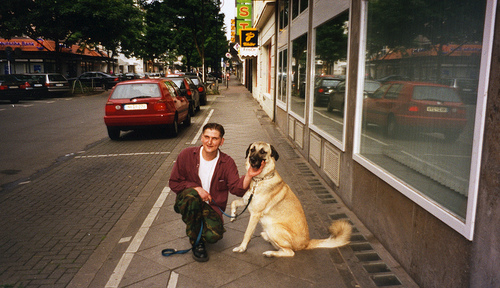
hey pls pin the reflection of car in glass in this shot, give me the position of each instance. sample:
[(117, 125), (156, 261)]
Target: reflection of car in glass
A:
[(324, 86), (337, 97), (426, 107), (144, 103), (467, 88), (393, 78)]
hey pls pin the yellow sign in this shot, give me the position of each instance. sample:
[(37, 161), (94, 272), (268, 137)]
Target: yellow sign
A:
[(249, 38)]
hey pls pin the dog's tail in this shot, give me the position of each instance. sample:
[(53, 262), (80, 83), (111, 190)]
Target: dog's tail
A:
[(340, 235)]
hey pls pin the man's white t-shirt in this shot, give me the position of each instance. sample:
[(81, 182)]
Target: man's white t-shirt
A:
[(206, 170)]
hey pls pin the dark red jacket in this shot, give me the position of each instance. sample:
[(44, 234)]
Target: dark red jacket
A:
[(225, 179)]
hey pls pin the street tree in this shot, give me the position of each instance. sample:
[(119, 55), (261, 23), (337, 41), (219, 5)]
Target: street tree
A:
[(111, 23)]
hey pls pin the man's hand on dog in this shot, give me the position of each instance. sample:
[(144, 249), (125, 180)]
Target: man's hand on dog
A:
[(252, 172)]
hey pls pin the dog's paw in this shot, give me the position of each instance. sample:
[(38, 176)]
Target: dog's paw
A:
[(240, 249), (269, 254)]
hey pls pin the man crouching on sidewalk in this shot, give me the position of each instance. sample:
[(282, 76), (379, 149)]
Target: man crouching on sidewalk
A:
[(201, 178)]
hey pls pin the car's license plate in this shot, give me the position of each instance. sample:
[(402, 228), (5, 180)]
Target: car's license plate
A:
[(13, 87), (135, 106), (38, 85), (437, 109), (59, 85)]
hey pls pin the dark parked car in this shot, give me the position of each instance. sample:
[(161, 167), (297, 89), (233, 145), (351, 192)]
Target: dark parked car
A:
[(98, 79), (416, 106), (145, 103), (189, 90), (11, 88), (54, 83), (202, 90), (129, 76), (33, 86), (324, 86)]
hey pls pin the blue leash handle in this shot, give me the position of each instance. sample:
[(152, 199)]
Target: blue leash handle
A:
[(170, 251)]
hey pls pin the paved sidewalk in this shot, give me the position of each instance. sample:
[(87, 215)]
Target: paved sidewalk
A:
[(130, 256)]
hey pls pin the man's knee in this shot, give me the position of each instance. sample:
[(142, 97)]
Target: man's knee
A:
[(187, 199)]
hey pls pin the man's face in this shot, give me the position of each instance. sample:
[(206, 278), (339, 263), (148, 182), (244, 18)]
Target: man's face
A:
[(211, 140)]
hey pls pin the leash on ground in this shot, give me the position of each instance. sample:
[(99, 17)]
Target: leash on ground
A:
[(170, 251)]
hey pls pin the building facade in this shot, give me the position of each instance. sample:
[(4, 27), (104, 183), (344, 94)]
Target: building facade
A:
[(395, 104)]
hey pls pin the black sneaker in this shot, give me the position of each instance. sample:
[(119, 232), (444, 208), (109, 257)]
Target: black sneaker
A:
[(200, 253)]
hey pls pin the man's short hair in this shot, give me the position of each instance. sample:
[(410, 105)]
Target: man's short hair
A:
[(214, 126)]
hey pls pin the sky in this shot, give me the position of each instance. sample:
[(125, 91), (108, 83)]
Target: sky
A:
[(229, 9)]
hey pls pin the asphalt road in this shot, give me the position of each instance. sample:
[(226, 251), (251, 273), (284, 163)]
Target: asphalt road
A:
[(36, 134)]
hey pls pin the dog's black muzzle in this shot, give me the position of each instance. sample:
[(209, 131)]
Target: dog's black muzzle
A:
[(255, 161)]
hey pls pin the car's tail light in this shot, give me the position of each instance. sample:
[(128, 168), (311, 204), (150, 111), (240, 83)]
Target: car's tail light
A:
[(112, 107), (321, 90), (413, 109), (4, 87), (23, 86), (160, 106), (116, 79), (27, 84), (47, 84), (200, 89), (189, 92)]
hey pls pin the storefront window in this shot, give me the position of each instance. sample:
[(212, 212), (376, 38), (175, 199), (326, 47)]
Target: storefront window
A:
[(418, 127), (298, 76), (282, 72), (330, 75)]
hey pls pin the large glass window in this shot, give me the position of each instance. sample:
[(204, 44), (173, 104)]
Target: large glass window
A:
[(282, 72), (330, 75), (298, 77), (418, 127), (283, 14), (298, 6)]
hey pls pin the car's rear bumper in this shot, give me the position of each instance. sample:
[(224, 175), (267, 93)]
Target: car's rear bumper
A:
[(139, 120)]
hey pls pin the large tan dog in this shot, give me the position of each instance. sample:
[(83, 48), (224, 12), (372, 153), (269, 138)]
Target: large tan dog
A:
[(279, 210)]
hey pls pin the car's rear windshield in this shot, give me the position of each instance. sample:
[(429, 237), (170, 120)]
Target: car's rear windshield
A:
[(195, 81), (330, 83), (434, 93), (129, 91), (56, 77)]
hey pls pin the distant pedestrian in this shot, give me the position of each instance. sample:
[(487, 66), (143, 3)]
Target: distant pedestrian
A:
[(202, 177)]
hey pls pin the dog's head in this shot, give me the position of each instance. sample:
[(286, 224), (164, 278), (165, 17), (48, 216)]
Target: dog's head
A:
[(261, 151)]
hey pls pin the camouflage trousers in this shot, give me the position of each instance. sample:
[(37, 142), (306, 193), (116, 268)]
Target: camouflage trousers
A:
[(194, 210)]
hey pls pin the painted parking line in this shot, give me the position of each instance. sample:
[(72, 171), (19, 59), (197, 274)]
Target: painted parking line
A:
[(197, 136), (136, 242), (122, 154)]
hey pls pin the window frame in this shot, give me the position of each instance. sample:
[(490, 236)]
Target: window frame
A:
[(464, 227), (338, 143)]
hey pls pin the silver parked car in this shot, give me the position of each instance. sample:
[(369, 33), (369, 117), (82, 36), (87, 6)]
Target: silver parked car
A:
[(55, 83)]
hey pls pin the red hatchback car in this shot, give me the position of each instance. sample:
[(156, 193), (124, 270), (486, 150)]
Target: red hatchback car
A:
[(144, 103), (426, 107)]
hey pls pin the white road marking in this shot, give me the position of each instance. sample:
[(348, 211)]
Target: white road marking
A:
[(122, 266), (197, 136), (172, 282), (123, 154)]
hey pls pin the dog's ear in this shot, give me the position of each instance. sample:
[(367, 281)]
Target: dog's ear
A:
[(274, 153), (248, 150)]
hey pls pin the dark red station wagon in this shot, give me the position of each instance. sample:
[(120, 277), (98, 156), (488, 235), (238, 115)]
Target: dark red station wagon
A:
[(404, 106), (144, 103)]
